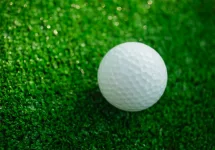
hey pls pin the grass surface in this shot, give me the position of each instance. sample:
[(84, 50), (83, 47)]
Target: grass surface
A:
[(49, 55)]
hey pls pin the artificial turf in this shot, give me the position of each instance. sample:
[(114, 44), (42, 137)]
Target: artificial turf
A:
[(49, 55)]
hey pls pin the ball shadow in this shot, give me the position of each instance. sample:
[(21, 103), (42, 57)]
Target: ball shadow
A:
[(92, 110)]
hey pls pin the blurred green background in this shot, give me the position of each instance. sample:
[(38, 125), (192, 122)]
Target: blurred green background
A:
[(49, 55)]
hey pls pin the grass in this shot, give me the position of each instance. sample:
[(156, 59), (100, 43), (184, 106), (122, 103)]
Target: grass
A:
[(49, 55)]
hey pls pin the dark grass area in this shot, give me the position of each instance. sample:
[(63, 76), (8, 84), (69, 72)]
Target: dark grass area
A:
[(49, 56)]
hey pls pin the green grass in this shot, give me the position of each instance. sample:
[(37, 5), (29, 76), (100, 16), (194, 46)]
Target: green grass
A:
[(49, 56)]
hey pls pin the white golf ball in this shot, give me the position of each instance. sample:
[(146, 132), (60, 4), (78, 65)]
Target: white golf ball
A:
[(132, 76)]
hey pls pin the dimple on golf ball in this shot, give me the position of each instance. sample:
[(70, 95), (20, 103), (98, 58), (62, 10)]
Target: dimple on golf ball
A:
[(132, 76)]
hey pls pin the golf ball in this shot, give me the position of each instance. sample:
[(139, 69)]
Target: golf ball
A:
[(132, 76)]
